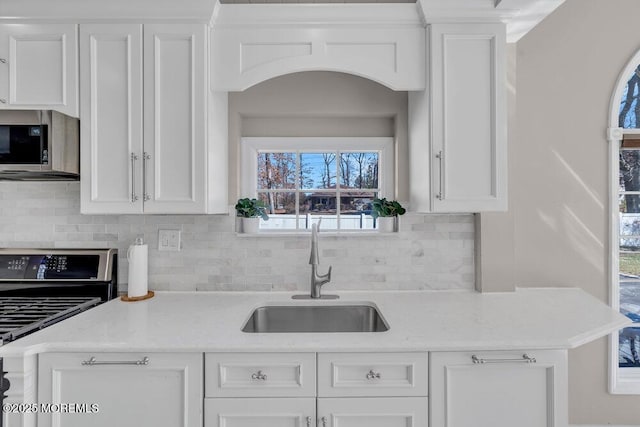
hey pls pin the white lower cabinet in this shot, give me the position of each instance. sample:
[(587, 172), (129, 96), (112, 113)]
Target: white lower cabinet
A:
[(373, 412), (279, 390), (121, 389), (465, 389), (301, 412), (260, 412), (498, 389)]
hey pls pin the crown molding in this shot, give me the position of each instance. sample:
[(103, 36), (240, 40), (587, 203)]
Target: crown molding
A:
[(520, 16), (318, 14), (111, 10)]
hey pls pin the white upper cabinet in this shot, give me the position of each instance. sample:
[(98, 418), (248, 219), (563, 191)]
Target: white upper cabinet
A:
[(175, 90), (384, 43), (458, 127), (39, 67), (143, 118), (111, 118)]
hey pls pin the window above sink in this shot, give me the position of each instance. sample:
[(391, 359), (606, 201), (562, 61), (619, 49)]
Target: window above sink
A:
[(303, 179)]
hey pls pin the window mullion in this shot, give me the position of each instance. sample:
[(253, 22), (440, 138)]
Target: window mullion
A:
[(298, 186)]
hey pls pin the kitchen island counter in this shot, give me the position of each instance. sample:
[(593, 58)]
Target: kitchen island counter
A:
[(532, 318)]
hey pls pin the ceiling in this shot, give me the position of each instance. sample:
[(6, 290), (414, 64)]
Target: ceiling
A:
[(313, 1)]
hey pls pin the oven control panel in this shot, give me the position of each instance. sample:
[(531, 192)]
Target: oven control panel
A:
[(48, 267)]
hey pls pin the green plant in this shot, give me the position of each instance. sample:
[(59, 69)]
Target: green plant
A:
[(251, 208), (384, 208)]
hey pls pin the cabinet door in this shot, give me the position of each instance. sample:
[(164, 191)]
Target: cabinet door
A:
[(260, 412), (164, 392), (111, 118), (501, 389), (468, 112), (373, 412), (39, 67), (175, 118)]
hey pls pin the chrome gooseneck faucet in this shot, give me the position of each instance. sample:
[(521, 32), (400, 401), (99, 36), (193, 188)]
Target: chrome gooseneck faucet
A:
[(317, 280)]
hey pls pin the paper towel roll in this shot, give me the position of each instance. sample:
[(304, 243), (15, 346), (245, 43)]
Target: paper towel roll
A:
[(138, 270)]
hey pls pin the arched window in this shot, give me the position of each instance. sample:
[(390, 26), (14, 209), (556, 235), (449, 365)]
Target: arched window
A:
[(624, 136)]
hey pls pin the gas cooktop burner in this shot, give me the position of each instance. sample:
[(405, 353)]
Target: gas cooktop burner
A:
[(20, 316)]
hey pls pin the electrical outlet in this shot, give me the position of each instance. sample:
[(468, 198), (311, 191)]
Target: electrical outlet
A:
[(169, 240)]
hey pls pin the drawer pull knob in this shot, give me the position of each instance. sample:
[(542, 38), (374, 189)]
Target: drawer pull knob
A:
[(259, 376), (373, 375), (525, 359), (323, 420), (308, 421)]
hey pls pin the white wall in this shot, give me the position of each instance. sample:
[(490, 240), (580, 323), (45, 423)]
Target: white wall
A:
[(566, 71)]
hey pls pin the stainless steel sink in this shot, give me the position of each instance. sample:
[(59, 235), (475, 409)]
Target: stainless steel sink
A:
[(316, 318)]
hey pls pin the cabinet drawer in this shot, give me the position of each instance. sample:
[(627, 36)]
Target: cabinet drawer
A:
[(380, 374), (373, 412), (260, 412), (260, 374)]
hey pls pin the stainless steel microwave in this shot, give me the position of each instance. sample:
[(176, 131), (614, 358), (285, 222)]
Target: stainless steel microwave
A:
[(24, 145), (38, 145)]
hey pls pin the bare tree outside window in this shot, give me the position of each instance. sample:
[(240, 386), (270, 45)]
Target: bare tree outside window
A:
[(629, 208), (298, 186)]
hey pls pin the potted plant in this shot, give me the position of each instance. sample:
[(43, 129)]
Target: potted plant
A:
[(251, 210), (386, 212)]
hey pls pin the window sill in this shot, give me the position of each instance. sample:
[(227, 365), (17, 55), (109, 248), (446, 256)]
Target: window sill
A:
[(630, 386), (323, 233)]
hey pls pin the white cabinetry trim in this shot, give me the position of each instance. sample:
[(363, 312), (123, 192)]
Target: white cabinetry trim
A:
[(384, 44)]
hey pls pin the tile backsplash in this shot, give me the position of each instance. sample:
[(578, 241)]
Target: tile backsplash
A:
[(429, 252)]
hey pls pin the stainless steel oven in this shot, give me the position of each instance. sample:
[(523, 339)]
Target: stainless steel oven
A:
[(40, 287)]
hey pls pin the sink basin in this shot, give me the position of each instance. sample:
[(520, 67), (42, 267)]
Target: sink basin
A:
[(316, 318)]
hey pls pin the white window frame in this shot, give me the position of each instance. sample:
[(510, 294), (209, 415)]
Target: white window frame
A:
[(251, 146), (627, 380)]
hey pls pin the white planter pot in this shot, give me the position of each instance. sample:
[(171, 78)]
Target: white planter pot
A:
[(250, 225), (386, 224)]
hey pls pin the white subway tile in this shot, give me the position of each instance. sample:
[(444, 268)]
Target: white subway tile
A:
[(430, 252)]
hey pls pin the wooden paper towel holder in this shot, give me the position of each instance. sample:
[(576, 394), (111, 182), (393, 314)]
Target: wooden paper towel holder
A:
[(126, 298)]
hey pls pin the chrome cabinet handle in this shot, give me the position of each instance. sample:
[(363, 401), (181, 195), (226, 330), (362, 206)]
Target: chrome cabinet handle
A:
[(323, 420), (93, 362), (308, 421), (525, 359), (145, 196), (3, 61), (373, 375), (3, 101), (259, 376), (134, 196), (440, 157)]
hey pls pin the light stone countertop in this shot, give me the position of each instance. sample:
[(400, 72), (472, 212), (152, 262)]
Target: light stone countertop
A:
[(540, 318)]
